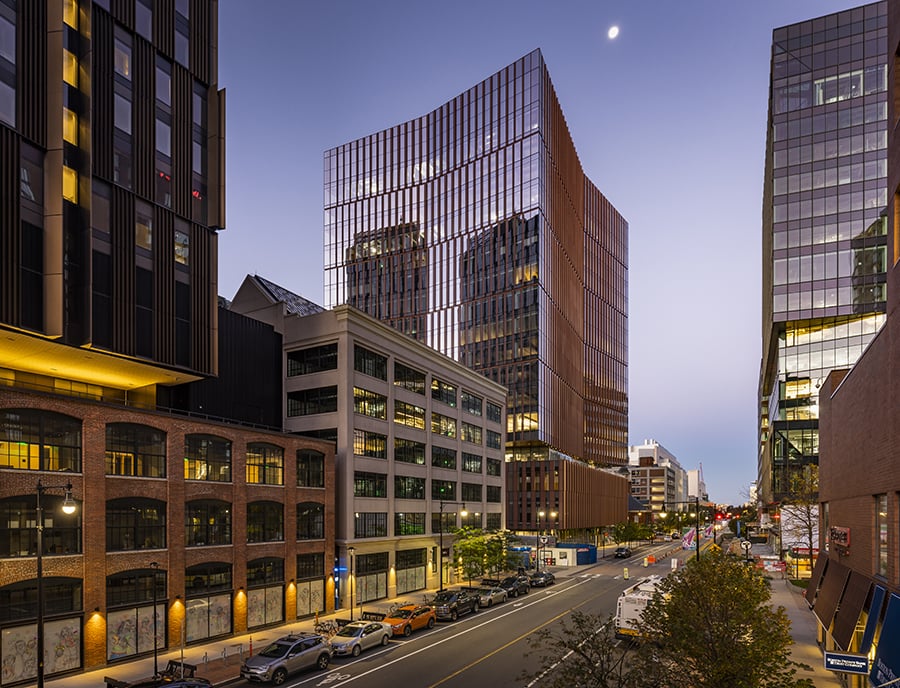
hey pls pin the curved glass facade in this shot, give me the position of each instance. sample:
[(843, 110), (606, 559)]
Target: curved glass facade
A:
[(474, 230)]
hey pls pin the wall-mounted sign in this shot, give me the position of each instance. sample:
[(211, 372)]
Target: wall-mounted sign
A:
[(850, 664), (839, 536)]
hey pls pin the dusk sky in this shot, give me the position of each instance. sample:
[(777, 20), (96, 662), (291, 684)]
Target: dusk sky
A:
[(669, 122)]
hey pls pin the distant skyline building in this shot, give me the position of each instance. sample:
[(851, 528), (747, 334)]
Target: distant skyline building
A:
[(657, 477), (475, 230), (824, 226)]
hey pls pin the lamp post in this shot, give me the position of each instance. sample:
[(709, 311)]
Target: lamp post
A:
[(350, 551), (541, 515), (696, 503), (68, 508), (155, 566), (441, 540)]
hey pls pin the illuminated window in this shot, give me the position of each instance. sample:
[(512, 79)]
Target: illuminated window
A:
[(182, 247), (70, 13), (70, 126), (70, 184), (143, 226), (70, 69), (122, 59)]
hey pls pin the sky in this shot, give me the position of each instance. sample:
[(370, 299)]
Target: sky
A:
[(669, 122)]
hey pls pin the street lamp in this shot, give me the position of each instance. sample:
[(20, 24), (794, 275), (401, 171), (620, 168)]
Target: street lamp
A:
[(68, 508), (350, 551), (696, 504), (441, 540), (541, 515), (155, 566)]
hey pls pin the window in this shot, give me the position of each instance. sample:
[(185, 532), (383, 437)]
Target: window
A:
[(369, 403), (470, 433), (409, 451), (409, 487), (471, 463), (443, 489), (492, 522), (409, 524), (443, 425), (409, 378), (444, 392), (207, 522), (122, 110), (135, 523), (494, 412), (36, 440), (8, 69), (265, 522), (369, 363), (471, 492), (135, 587), (265, 570), (163, 137), (369, 484), (310, 468), (18, 515), (143, 226), (70, 126), (135, 450), (310, 521), (493, 494), (409, 415), (308, 402), (312, 360), (882, 547), (443, 457), (207, 457), (493, 439), (18, 601), (163, 81), (265, 464), (143, 18), (70, 184), (70, 69), (122, 56), (471, 519), (369, 524), (207, 578), (182, 248), (372, 444), (494, 467), (471, 403), (445, 521), (310, 566)]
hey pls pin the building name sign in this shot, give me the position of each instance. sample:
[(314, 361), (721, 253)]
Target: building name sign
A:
[(850, 664), (840, 536)]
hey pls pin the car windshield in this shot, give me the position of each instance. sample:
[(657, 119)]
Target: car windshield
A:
[(275, 650), (444, 597), (508, 581), (350, 631), (401, 614)]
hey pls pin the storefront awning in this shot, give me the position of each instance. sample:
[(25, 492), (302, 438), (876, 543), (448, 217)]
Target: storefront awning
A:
[(815, 579), (874, 614), (830, 592), (886, 667), (855, 595)]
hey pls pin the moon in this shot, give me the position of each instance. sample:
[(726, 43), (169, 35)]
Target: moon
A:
[(613, 32)]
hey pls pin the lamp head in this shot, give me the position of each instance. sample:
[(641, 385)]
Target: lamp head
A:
[(68, 506)]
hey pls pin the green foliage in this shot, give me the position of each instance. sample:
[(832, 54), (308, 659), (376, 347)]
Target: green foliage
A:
[(627, 531), (713, 626), (481, 553)]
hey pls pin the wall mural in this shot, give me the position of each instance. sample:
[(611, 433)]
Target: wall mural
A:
[(130, 631), (208, 617), (310, 597), (18, 649)]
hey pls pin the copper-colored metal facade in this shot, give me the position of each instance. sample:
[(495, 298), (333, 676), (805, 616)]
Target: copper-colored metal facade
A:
[(474, 229)]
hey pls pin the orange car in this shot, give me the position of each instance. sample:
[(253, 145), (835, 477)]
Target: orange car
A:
[(410, 617)]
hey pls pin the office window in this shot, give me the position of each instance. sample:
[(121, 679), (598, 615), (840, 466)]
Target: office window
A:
[(471, 403), (492, 522), (471, 492), (409, 378), (493, 439), (409, 523), (369, 362), (443, 489), (143, 226), (369, 524), (409, 451), (470, 433), (207, 457), (310, 468), (443, 425), (122, 111), (443, 457), (135, 450), (369, 484), (163, 136), (182, 247), (265, 570), (207, 522), (444, 392), (409, 415), (367, 443), (494, 412), (8, 66), (471, 462), (310, 521), (493, 493), (308, 402), (163, 82), (70, 184), (312, 360), (36, 440), (368, 403), (70, 126), (135, 523), (18, 518), (494, 467), (882, 546), (409, 487), (135, 587), (122, 56), (310, 566), (143, 18), (265, 464), (265, 523)]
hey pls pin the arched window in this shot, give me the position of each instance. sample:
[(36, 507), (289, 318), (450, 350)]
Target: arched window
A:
[(18, 527), (18, 601), (136, 450), (265, 464), (265, 522), (135, 523), (310, 521), (207, 457), (207, 522), (38, 440)]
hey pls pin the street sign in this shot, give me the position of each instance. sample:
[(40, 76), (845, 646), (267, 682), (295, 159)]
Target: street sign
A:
[(544, 539), (746, 545), (849, 664)]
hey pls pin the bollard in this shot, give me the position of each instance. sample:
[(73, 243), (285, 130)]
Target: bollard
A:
[(625, 573), (250, 652)]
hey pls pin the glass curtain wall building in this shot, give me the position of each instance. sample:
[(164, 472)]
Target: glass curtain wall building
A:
[(474, 229), (824, 225)]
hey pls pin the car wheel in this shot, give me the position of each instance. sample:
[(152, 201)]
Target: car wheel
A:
[(490, 602), (279, 677), (322, 662), (431, 622), (514, 593), (385, 639), (476, 608), (407, 630), (453, 615), (356, 650)]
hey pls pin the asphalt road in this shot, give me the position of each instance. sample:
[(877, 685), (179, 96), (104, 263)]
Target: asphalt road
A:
[(489, 648)]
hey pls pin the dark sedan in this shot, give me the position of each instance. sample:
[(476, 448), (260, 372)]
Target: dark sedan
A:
[(542, 579), (516, 585)]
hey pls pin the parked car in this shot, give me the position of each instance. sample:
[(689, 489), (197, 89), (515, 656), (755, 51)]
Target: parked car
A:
[(285, 656), (623, 552), (542, 579), (516, 585), (452, 604), (488, 597), (410, 617), (357, 636)]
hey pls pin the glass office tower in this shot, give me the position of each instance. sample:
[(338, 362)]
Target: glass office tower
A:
[(824, 225), (474, 229)]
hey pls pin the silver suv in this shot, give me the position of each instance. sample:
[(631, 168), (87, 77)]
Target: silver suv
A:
[(286, 656)]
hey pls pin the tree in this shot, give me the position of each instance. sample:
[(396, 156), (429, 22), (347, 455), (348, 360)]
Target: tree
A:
[(713, 626), (800, 511), (478, 552)]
